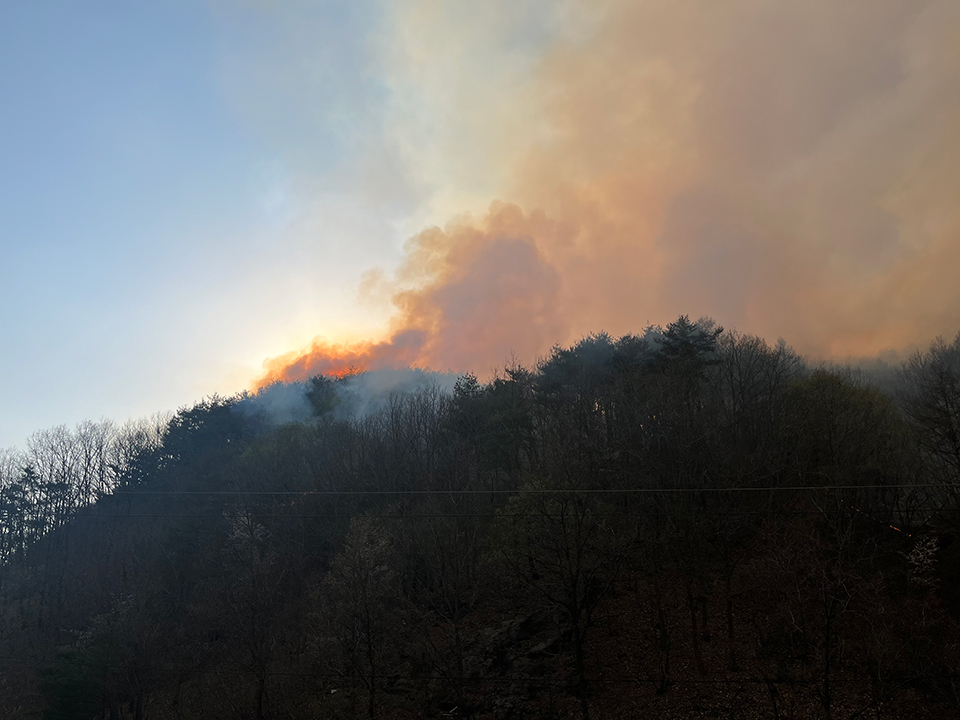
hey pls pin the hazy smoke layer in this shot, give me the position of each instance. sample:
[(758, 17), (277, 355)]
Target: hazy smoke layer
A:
[(278, 404), (790, 168), (356, 396)]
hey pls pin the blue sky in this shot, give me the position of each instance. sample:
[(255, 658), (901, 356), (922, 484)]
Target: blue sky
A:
[(150, 161)]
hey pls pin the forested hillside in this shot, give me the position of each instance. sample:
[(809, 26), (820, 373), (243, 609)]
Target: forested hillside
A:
[(683, 523)]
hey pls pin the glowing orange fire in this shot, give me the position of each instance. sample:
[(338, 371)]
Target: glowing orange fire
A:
[(339, 359)]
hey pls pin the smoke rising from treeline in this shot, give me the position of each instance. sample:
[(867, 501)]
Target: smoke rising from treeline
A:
[(349, 397), (788, 168)]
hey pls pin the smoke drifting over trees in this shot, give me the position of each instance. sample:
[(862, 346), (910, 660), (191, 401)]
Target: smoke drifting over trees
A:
[(346, 397)]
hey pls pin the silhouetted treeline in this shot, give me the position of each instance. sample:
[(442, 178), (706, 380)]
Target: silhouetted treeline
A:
[(687, 521)]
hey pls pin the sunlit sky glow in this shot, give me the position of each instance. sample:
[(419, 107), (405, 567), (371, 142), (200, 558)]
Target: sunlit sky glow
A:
[(190, 188), (172, 198)]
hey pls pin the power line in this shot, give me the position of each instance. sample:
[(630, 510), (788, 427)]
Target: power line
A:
[(536, 491), (414, 516)]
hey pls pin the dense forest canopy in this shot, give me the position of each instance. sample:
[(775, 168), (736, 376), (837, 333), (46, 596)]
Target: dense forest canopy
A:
[(685, 520)]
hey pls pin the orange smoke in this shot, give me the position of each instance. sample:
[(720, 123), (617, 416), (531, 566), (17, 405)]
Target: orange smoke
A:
[(790, 169), (470, 296), (332, 360)]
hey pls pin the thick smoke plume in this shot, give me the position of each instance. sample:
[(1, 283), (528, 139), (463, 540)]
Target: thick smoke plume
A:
[(481, 292), (789, 168)]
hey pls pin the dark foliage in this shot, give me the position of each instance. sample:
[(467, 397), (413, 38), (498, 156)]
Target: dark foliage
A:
[(682, 522)]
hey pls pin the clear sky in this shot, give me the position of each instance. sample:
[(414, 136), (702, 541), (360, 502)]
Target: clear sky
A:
[(190, 189), (173, 207)]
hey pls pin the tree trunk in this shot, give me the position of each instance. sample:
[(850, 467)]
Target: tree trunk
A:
[(371, 698), (704, 620), (581, 673), (731, 645), (261, 689), (774, 699), (827, 692), (663, 643), (694, 634)]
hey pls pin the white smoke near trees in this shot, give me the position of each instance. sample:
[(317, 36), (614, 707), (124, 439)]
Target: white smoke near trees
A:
[(345, 398)]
